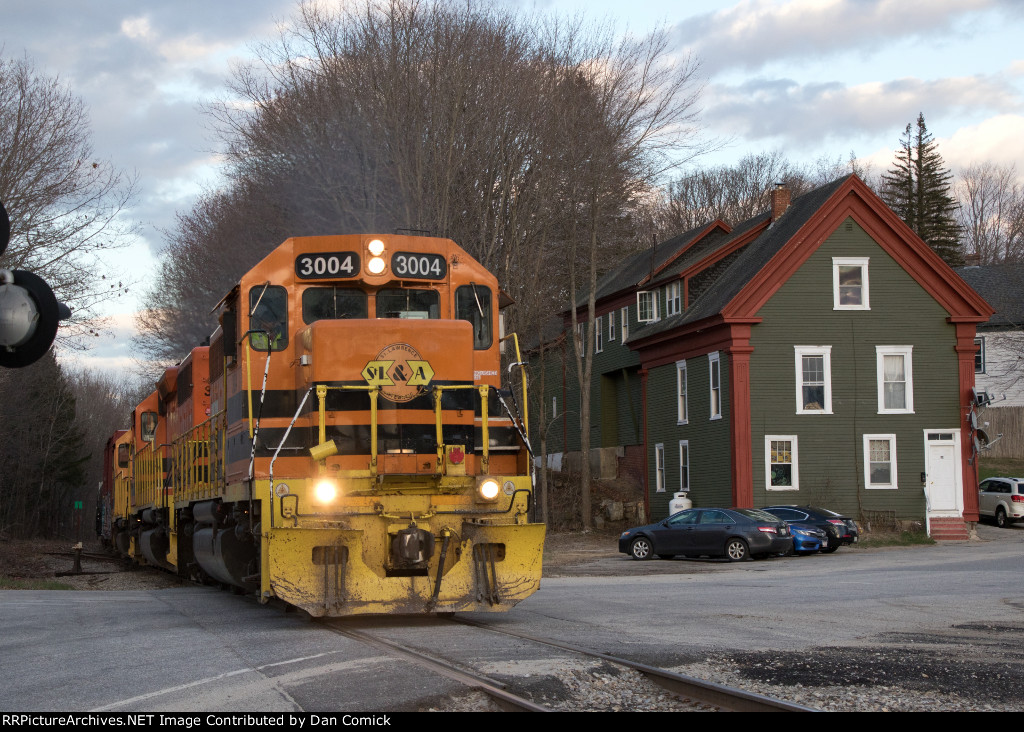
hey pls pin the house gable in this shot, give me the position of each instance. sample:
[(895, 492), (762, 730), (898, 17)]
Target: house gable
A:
[(800, 318)]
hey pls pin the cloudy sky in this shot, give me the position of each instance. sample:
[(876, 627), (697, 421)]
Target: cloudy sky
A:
[(807, 77)]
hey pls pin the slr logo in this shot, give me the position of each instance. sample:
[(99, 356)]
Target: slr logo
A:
[(399, 373)]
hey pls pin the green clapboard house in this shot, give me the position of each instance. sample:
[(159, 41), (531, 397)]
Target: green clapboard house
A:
[(819, 353)]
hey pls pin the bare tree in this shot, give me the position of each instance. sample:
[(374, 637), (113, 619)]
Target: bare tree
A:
[(737, 192), (64, 203), (991, 213), (632, 116)]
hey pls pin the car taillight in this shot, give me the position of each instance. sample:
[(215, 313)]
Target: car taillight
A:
[(837, 521), (768, 529), (1017, 499)]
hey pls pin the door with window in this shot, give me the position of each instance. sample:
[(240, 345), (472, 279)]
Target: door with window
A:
[(942, 471)]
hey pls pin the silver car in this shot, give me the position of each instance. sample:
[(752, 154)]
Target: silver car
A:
[(1002, 499)]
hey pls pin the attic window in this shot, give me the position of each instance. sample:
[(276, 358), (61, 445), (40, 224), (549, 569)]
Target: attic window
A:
[(850, 283), (647, 306)]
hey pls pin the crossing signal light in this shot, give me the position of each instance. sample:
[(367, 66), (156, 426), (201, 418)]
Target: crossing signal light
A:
[(29, 312)]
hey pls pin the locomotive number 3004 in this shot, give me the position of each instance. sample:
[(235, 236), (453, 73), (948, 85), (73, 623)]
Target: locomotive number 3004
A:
[(419, 266), (327, 265)]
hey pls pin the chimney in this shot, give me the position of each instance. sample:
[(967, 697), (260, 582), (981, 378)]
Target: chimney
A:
[(973, 260), (780, 200)]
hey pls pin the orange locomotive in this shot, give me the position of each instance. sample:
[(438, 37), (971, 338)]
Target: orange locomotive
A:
[(342, 444)]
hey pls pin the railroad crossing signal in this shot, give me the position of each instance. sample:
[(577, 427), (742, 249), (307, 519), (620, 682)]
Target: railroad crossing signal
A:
[(29, 312)]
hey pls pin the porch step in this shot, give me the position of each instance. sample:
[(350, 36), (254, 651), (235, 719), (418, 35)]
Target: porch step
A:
[(949, 529)]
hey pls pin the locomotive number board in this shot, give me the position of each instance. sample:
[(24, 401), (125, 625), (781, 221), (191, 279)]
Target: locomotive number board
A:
[(327, 265), (412, 265)]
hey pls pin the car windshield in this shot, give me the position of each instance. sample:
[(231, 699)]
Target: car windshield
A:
[(756, 514)]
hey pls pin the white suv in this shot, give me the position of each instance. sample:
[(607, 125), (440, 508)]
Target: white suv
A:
[(1002, 499)]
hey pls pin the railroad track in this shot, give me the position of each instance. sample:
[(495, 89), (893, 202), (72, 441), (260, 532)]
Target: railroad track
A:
[(692, 693)]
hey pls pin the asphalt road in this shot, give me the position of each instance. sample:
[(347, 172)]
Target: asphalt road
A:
[(199, 649)]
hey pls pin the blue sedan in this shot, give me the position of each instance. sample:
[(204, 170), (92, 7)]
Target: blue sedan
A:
[(734, 533)]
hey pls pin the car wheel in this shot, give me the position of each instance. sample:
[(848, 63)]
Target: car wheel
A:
[(830, 549), (1001, 521), (666, 556), (640, 548), (736, 550)]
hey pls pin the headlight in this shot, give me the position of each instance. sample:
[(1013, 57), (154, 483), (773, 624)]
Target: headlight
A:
[(376, 247), (375, 265), (489, 489), (326, 490)]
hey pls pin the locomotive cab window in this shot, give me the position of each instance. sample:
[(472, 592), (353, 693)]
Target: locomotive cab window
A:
[(473, 303), (408, 304), (333, 303), (123, 456), (147, 425), (268, 308)]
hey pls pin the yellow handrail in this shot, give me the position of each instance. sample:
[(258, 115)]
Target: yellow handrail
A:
[(438, 391)]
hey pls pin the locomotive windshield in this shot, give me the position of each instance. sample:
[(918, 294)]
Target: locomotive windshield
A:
[(332, 303), (473, 303), (410, 304), (268, 306)]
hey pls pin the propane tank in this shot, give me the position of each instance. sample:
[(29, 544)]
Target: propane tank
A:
[(679, 502)]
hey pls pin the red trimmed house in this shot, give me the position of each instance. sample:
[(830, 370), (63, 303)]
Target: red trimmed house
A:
[(817, 353)]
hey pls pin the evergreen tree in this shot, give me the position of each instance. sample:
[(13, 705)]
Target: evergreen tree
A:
[(918, 189)]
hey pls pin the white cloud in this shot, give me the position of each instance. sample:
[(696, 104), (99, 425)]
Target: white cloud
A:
[(998, 139), (754, 32), (797, 113), (137, 28)]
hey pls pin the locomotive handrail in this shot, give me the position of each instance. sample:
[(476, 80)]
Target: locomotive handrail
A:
[(522, 369), (283, 440), (439, 391), (321, 394)]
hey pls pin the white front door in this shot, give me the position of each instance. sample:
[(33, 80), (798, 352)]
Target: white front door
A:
[(942, 471)]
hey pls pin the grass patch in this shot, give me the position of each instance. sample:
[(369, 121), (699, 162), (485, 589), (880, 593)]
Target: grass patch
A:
[(12, 583), (904, 538)]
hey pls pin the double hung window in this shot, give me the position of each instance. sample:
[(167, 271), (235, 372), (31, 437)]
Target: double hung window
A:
[(684, 465), (813, 379), (682, 407), (880, 461), (715, 379), (659, 467), (780, 463), (895, 379), (673, 300), (850, 283)]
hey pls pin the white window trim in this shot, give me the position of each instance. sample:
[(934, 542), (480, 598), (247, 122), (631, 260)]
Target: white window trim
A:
[(713, 362), (795, 462), (684, 464), (865, 290), (799, 353), (867, 462), (980, 343), (599, 335), (611, 326), (625, 323), (908, 366), (682, 405), (673, 299), (659, 468), (655, 310)]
